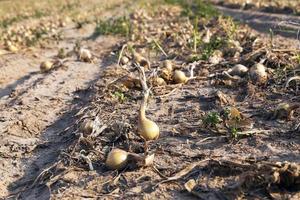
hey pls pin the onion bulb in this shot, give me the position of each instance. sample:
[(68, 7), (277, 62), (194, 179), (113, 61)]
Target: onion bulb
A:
[(157, 81), (61, 53), (166, 74), (283, 106), (168, 65), (141, 60), (285, 111), (85, 55), (179, 77), (216, 57), (258, 73), (131, 81), (238, 70), (124, 60), (87, 126), (146, 128), (235, 46), (116, 159), (46, 66), (12, 48)]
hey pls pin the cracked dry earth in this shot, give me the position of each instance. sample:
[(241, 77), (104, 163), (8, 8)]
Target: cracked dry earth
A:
[(41, 143)]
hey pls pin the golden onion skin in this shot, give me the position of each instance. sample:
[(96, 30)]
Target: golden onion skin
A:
[(167, 64), (179, 77), (258, 74), (46, 66), (116, 159), (87, 126), (148, 129)]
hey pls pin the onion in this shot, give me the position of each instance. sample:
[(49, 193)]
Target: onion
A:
[(131, 81), (157, 81), (216, 57), (166, 74), (168, 65), (87, 126), (116, 159), (141, 60), (179, 77), (235, 45), (124, 60), (46, 66), (258, 73), (85, 55), (146, 128), (12, 48), (238, 70)]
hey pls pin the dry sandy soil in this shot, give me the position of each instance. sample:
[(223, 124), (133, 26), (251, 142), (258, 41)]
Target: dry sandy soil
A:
[(45, 155)]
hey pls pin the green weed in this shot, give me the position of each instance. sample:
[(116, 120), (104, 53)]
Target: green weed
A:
[(119, 26), (209, 48), (229, 26), (195, 8), (212, 119), (234, 132), (194, 57), (120, 96)]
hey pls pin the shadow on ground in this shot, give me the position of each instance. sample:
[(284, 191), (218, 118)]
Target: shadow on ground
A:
[(11, 87)]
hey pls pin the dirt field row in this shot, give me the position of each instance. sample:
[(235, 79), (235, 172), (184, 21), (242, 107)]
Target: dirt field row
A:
[(270, 6)]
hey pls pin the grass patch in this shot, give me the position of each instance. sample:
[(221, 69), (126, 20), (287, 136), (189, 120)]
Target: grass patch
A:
[(209, 48), (119, 26), (195, 8), (229, 26)]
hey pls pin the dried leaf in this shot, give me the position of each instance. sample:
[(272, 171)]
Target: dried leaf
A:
[(244, 124), (115, 191), (189, 186), (116, 179), (149, 160), (182, 173), (235, 113), (277, 195), (223, 98), (135, 190)]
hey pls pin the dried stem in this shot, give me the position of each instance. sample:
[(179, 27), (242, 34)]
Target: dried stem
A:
[(291, 79), (87, 160), (160, 48), (121, 53), (143, 78)]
